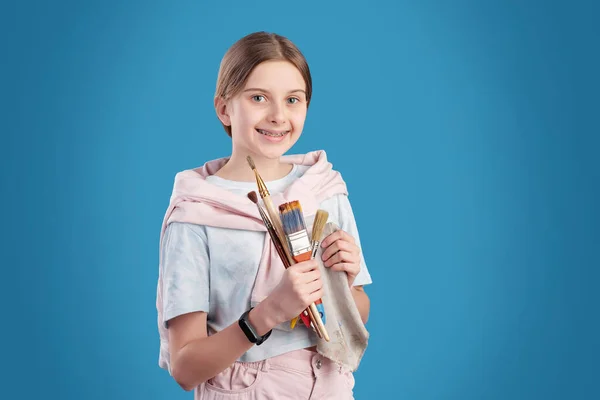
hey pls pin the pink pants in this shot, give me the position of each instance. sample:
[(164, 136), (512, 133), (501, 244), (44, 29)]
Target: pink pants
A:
[(300, 374)]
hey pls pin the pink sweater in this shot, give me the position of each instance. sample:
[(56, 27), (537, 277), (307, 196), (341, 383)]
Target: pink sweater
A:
[(196, 201)]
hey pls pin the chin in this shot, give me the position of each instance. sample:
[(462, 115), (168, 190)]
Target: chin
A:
[(274, 151), (272, 154)]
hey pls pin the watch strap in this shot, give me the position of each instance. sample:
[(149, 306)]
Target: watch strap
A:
[(249, 330)]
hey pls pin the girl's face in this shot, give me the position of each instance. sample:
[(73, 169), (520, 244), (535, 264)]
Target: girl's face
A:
[(268, 115)]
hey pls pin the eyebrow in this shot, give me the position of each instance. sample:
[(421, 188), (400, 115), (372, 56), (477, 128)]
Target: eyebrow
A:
[(266, 91)]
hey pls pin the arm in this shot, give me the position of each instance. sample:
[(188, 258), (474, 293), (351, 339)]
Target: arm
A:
[(197, 357), (363, 303)]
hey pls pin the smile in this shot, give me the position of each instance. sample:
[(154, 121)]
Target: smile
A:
[(271, 133)]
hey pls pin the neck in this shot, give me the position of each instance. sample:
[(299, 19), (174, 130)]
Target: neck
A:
[(238, 169)]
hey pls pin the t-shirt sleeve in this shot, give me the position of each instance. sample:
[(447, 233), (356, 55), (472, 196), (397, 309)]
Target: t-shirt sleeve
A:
[(186, 280), (348, 224)]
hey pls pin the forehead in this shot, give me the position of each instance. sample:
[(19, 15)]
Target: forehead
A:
[(276, 75)]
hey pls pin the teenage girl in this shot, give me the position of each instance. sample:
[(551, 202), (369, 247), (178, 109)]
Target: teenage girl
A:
[(212, 255)]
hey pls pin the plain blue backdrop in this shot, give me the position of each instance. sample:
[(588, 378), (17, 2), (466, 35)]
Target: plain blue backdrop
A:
[(467, 132)]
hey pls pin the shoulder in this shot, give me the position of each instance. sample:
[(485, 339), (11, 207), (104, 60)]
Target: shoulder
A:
[(184, 230), (315, 158), (337, 206)]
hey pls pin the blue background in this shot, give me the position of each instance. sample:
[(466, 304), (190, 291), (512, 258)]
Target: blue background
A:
[(467, 133)]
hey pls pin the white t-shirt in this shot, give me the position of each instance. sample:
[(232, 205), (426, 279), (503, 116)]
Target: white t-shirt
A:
[(213, 269)]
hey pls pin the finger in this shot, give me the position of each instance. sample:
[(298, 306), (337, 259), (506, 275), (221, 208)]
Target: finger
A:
[(340, 256), (329, 251), (305, 266), (316, 295), (313, 286), (349, 268), (337, 235), (348, 237), (310, 276), (337, 246), (331, 238)]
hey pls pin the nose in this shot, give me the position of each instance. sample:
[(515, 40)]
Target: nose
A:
[(277, 114)]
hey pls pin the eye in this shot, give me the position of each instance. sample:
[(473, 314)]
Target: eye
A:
[(293, 100), (258, 98)]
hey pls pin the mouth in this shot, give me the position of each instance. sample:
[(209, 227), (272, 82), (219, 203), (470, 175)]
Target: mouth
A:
[(275, 134)]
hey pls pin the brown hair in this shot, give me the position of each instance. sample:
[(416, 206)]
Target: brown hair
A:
[(251, 50)]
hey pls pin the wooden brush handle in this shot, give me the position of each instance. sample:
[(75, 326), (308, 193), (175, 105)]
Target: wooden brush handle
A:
[(317, 317)]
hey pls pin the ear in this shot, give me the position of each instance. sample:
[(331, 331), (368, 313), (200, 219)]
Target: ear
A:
[(222, 110)]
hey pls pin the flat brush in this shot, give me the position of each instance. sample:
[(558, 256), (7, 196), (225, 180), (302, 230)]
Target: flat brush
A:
[(315, 240), (274, 216), (295, 230), (302, 250)]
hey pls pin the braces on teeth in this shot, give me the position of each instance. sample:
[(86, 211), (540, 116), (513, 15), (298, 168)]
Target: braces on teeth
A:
[(270, 134)]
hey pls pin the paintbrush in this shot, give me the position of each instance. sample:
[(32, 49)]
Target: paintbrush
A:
[(280, 249), (263, 214), (301, 249), (315, 240), (274, 216), (317, 231), (276, 222)]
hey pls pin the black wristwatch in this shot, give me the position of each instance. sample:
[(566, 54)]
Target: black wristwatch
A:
[(250, 331)]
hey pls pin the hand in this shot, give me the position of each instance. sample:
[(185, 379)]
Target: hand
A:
[(299, 287), (341, 254)]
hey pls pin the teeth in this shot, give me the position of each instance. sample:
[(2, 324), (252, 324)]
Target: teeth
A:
[(271, 134)]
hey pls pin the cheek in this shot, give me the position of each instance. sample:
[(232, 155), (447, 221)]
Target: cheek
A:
[(248, 118), (297, 118)]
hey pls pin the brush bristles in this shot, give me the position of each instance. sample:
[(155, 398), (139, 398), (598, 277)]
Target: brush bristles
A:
[(319, 224), (291, 217), (250, 162), (253, 197)]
